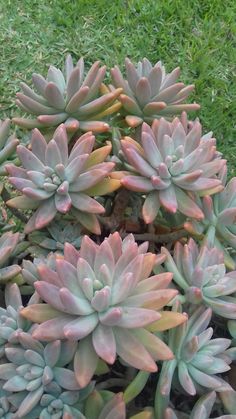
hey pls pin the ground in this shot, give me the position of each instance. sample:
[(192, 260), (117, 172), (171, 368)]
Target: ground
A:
[(199, 36)]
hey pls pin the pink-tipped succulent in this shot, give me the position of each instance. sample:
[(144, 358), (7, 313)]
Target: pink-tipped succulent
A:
[(53, 180), (74, 99), (200, 272), (198, 360), (219, 223), (173, 162), (8, 145), (150, 93), (105, 303), (8, 243)]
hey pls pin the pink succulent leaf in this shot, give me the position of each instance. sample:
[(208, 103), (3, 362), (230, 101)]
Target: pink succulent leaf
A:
[(81, 327), (151, 207), (104, 255), (88, 179), (137, 183), (29, 160), (111, 316), (51, 329), (114, 409), (101, 300), (185, 379), (21, 183), (155, 346), (153, 283), (75, 167), (73, 304), (85, 361), (133, 317), (83, 202), (187, 206), (43, 215), (66, 378), (104, 343), (88, 250), (53, 156), (84, 145), (132, 351), (168, 199), (122, 287), (49, 293)]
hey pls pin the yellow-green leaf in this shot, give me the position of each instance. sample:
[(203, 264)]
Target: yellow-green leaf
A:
[(104, 187), (98, 156), (168, 320), (39, 313)]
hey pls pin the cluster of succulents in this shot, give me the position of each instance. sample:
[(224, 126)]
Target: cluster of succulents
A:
[(98, 320)]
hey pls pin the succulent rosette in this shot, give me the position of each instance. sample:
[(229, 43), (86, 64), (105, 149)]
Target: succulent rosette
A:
[(150, 93), (198, 360), (11, 322), (34, 369), (104, 300), (53, 180), (173, 161), (219, 216), (75, 99), (61, 405), (202, 409), (54, 237), (201, 273), (8, 243), (8, 145)]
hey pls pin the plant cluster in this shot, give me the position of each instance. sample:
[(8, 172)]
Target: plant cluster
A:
[(118, 272)]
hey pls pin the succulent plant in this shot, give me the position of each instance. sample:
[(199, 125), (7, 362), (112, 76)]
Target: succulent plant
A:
[(54, 237), (105, 304), (150, 93), (52, 182), (219, 216), (7, 145), (35, 369), (60, 406), (200, 272), (7, 410), (202, 409), (8, 243), (11, 322), (73, 99), (198, 359), (174, 161)]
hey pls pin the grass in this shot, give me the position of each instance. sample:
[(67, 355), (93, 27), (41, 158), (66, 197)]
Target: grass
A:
[(199, 36)]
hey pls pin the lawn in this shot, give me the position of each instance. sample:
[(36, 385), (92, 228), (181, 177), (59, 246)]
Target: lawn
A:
[(199, 36)]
